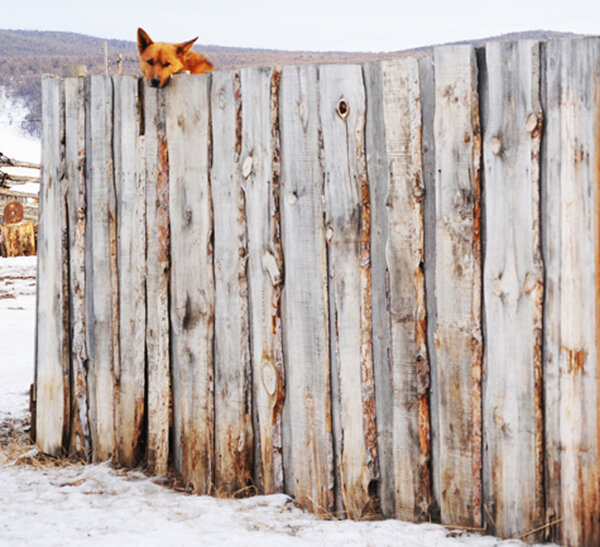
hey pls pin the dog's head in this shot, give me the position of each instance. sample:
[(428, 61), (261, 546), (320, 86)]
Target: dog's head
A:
[(159, 60)]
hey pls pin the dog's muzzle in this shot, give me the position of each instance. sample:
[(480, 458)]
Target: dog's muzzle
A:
[(155, 82)]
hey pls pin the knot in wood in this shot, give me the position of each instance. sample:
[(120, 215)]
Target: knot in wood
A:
[(496, 145), (343, 109)]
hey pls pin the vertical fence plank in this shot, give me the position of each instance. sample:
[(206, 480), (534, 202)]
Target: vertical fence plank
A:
[(513, 290), (131, 257), (260, 180), (192, 279), (458, 285), (427, 85), (308, 447), (75, 154), (347, 216), (550, 213), (233, 376), (405, 392), (157, 280), (101, 264), (52, 329), (572, 322)]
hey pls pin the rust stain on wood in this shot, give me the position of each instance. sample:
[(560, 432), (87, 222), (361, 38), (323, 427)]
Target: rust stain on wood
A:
[(366, 312), (162, 196)]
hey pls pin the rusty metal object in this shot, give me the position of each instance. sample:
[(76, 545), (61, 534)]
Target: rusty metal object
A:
[(13, 212)]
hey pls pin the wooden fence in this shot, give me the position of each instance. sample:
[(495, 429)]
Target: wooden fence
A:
[(375, 288)]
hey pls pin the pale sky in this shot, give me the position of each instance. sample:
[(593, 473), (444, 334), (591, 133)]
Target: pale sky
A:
[(341, 25)]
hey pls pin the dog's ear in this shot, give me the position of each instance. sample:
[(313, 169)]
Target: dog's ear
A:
[(143, 40), (184, 47)]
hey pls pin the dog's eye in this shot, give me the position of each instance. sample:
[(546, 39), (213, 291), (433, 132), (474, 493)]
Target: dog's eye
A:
[(167, 64), (150, 62)]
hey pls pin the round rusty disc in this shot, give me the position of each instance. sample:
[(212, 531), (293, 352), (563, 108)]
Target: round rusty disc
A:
[(13, 212)]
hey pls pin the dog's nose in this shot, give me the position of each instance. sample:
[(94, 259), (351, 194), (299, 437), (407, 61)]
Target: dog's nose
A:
[(155, 82)]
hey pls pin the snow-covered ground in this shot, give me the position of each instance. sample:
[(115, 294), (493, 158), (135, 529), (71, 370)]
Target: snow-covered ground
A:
[(46, 504)]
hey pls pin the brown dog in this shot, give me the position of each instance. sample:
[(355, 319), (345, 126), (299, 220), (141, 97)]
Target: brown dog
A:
[(159, 60)]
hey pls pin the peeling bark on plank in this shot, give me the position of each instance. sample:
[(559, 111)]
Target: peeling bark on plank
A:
[(572, 186), (157, 281), (52, 329), (347, 216), (233, 375), (513, 291), (402, 386), (102, 302), (75, 155), (308, 451), (131, 256), (260, 181), (458, 285), (192, 279)]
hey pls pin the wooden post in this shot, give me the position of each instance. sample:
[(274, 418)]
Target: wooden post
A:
[(157, 280), (308, 451), (192, 280), (260, 180), (75, 155), (52, 330), (458, 286), (102, 303), (572, 315), (513, 290), (398, 239), (233, 375), (347, 216), (131, 257)]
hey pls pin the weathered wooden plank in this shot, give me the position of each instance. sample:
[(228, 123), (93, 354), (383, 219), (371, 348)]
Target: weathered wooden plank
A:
[(131, 256), (52, 330), (192, 279), (308, 451), (513, 291), (573, 318), (404, 257), (233, 375), (260, 181), (458, 285), (75, 154), (550, 215), (102, 300), (157, 280), (378, 176), (427, 99), (347, 217)]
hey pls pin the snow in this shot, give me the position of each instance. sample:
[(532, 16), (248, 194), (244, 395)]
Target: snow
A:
[(43, 502)]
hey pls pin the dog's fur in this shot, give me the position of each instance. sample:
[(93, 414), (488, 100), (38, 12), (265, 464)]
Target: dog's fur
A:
[(159, 60)]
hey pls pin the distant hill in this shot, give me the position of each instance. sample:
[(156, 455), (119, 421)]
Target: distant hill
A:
[(27, 54)]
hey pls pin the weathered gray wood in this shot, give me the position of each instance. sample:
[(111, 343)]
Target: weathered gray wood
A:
[(308, 451), (513, 291), (102, 304), (52, 328), (75, 154), (157, 281), (551, 245), (260, 181), (131, 257), (427, 81), (192, 279), (347, 216), (233, 374), (573, 319), (406, 291), (458, 285), (378, 175)]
